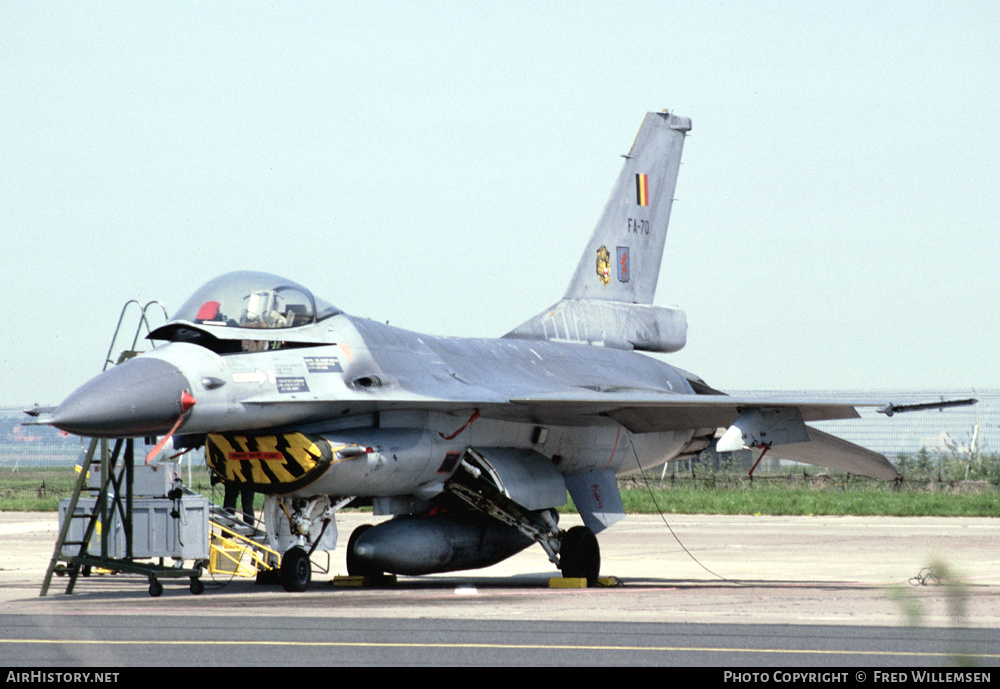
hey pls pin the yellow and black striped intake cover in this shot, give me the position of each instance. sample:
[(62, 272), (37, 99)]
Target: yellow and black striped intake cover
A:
[(270, 464)]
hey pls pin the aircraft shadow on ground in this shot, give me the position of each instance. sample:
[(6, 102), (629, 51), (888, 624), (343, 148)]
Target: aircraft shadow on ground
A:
[(115, 588)]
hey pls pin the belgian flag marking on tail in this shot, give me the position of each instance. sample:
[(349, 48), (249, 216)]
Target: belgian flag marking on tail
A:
[(641, 189)]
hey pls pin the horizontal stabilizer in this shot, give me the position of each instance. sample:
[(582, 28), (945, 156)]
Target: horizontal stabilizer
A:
[(831, 452)]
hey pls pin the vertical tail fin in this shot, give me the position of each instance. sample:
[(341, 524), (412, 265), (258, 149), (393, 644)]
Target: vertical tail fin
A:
[(609, 300), (622, 260)]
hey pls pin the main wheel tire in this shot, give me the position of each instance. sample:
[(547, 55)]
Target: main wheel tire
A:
[(580, 555), (296, 570), (356, 567)]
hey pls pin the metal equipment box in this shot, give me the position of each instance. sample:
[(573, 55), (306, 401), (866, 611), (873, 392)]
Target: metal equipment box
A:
[(156, 531), (148, 480)]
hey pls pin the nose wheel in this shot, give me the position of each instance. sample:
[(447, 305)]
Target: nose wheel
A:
[(296, 570)]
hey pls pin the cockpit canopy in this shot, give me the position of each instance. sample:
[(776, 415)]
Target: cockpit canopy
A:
[(248, 312), (246, 299)]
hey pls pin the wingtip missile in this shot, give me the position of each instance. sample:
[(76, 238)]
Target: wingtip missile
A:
[(891, 409)]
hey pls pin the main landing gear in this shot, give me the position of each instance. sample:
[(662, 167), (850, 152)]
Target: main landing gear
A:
[(580, 555), (575, 551)]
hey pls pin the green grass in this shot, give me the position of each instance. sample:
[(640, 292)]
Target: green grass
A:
[(39, 490), (804, 500)]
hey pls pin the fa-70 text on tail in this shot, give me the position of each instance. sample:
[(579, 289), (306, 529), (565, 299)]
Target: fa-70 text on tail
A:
[(471, 444)]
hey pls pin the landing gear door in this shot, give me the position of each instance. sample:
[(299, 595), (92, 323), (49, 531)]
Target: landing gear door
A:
[(526, 477), (597, 499)]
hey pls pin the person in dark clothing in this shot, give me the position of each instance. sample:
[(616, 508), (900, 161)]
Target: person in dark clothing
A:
[(245, 494)]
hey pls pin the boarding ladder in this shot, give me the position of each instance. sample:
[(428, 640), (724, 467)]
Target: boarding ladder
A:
[(72, 557)]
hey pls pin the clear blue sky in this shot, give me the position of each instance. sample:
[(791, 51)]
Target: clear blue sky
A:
[(440, 166)]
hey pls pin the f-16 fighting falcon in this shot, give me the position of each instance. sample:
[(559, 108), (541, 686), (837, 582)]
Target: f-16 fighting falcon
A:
[(471, 444)]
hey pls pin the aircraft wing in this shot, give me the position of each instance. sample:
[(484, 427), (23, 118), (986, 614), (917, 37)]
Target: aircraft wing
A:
[(652, 413), (643, 413), (638, 411)]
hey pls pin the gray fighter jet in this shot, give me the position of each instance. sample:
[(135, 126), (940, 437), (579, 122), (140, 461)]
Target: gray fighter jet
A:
[(471, 444)]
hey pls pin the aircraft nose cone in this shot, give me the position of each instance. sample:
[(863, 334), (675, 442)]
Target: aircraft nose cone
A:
[(140, 397)]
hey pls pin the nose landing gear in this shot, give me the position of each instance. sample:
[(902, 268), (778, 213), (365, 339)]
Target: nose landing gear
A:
[(296, 570)]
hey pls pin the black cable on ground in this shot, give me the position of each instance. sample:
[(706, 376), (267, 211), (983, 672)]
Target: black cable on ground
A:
[(659, 511)]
